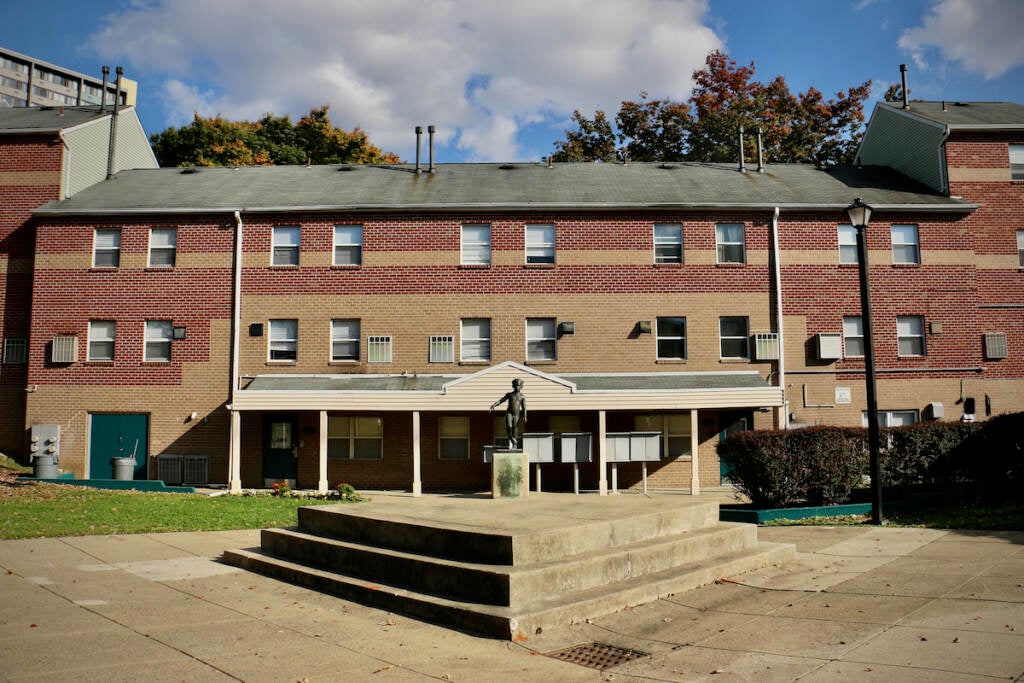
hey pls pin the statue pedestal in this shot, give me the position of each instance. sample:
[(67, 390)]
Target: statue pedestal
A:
[(510, 474)]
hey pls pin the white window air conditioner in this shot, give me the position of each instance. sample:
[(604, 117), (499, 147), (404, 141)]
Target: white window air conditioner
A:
[(830, 346), (995, 346), (766, 346), (64, 349)]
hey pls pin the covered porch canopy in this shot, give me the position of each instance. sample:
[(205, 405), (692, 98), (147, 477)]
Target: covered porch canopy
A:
[(413, 394)]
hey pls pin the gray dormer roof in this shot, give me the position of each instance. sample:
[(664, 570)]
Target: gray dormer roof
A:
[(27, 120), (965, 115)]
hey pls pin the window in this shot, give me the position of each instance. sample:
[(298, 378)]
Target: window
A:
[(729, 237), (476, 245), (733, 337), (1020, 248), (675, 429), (163, 244), (348, 245), (668, 243), (286, 246), (541, 335), (476, 339), (158, 341), (106, 251), (354, 438), (848, 244), (540, 244), (345, 340), (454, 433), (101, 340), (1017, 162), (284, 340), (15, 351), (892, 418), (378, 348), (910, 335), (905, 248), (671, 335), (442, 348), (853, 336)]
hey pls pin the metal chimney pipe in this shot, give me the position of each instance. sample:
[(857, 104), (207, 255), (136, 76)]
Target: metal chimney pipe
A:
[(113, 123), (743, 167), (103, 89), (419, 136), (551, 161), (430, 132), (903, 78), (760, 152)]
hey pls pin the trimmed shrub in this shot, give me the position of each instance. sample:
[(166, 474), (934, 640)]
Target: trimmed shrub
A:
[(926, 454)]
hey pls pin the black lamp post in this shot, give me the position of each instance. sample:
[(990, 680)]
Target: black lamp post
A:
[(860, 214)]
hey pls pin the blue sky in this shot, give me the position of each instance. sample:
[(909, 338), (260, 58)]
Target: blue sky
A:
[(500, 79)]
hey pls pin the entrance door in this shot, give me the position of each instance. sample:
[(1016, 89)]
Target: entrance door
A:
[(730, 421), (117, 435), (280, 448)]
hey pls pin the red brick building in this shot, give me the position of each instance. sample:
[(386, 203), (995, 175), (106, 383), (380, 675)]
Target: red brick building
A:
[(355, 323)]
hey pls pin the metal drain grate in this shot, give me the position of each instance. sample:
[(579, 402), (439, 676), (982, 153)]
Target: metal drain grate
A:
[(597, 655)]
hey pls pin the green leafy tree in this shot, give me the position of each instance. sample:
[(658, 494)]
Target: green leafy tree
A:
[(593, 140), (272, 140)]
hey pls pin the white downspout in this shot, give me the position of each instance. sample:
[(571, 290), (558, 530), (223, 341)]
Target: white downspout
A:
[(777, 276), (235, 443)]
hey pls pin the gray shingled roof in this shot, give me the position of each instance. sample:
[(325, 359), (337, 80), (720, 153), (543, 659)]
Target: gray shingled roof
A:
[(519, 186), (21, 120), (662, 381), (967, 115)]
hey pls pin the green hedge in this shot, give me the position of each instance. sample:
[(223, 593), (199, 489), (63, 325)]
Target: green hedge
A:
[(822, 465)]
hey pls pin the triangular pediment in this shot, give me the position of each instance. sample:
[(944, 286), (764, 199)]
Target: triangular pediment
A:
[(494, 382)]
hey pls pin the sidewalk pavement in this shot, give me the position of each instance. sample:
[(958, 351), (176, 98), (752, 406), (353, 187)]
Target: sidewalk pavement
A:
[(858, 603)]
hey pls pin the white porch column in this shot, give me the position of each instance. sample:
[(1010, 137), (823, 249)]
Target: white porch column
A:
[(321, 486), (694, 462), (417, 484), (602, 455), (235, 453)]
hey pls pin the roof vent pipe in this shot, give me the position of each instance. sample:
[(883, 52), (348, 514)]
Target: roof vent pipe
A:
[(430, 133), (743, 167), (113, 124), (903, 80), (419, 136), (760, 153), (103, 89), (551, 161)]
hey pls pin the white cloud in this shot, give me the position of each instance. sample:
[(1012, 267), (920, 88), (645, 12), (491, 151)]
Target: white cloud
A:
[(985, 36), (480, 71)]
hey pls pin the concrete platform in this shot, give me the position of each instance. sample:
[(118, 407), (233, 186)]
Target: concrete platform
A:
[(509, 568)]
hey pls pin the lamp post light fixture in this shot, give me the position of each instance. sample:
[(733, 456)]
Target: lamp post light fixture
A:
[(860, 214)]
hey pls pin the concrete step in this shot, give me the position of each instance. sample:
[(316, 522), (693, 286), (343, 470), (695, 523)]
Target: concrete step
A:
[(521, 621), (509, 585), (382, 527)]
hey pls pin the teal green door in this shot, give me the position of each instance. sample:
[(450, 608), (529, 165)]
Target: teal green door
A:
[(117, 435), (730, 421), (280, 446)]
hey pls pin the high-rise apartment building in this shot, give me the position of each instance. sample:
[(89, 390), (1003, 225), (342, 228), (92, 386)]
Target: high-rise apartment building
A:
[(26, 81)]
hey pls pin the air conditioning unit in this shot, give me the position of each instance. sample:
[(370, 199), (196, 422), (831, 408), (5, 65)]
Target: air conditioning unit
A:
[(830, 346), (197, 468), (766, 346), (995, 346), (64, 349), (168, 468)]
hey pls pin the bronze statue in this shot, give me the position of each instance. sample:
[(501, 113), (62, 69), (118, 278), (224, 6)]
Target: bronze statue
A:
[(515, 414)]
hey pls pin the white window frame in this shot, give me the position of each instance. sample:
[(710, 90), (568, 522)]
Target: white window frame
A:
[(541, 333), (668, 243), (101, 339), (15, 351), (379, 348), (674, 428), (441, 348), (453, 429), (352, 437), (474, 340), (1020, 247), (540, 244), (475, 250), (348, 241), (111, 251), (745, 337), (283, 340), (165, 249), (1017, 162), (902, 245), (906, 332), (342, 333), (853, 330), (158, 335), (847, 237), (285, 243), (659, 337), (723, 245), (886, 418)]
